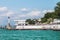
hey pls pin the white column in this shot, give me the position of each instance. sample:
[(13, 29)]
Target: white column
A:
[(8, 19)]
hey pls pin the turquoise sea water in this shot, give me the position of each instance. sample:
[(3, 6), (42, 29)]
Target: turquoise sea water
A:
[(29, 34)]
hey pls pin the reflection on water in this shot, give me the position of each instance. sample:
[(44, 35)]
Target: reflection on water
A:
[(29, 35)]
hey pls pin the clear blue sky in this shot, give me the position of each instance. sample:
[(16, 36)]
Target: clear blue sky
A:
[(20, 7), (39, 4)]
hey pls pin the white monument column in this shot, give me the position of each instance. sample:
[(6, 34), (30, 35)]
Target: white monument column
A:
[(8, 25), (8, 19)]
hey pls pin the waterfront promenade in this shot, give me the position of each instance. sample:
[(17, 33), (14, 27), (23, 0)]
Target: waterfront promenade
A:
[(42, 26)]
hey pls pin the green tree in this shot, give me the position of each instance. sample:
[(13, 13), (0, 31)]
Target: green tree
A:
[(57, 10), (50, 15), (43, 20), (32, 22)]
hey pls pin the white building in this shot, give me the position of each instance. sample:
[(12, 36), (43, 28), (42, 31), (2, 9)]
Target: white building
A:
[(56, 21), (20, 24)]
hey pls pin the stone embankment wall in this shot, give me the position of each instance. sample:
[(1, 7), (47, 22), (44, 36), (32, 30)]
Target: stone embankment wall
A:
[(47, 26)]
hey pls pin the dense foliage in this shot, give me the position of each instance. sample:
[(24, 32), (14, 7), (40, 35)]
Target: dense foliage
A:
[(32, 22), (57, 10), (49, 16), (52, 15)]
